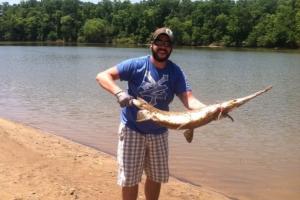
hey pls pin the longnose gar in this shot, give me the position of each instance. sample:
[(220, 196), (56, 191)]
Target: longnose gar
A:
[(189, 120)]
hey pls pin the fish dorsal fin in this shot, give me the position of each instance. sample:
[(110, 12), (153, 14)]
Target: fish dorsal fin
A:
[(188, 134)]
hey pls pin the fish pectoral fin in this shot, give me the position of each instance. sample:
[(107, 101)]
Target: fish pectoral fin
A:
[(188, 134), (224, 114), (227, 115), (143, 115)]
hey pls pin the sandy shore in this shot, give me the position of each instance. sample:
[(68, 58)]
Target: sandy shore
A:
[(35, 165)]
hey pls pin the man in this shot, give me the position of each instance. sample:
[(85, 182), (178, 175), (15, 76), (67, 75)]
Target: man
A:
[(143, 146)]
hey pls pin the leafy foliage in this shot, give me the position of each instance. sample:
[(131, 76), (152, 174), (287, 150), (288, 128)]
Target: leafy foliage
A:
[(251, 23), (96, 30)]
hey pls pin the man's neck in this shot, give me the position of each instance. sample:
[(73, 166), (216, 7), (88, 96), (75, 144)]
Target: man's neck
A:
[(159, 65)]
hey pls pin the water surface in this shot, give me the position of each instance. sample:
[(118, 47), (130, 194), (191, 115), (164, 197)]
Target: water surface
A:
[(256, 157)]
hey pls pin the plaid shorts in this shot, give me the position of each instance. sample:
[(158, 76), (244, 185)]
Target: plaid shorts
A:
[(138, 152)]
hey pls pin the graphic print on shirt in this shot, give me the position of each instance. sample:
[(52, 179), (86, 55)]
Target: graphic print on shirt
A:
[(154, 89)]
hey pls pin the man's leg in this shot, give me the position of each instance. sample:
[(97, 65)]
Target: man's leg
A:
[(130, 193), (152, 189), (156, 164), (131, 152)]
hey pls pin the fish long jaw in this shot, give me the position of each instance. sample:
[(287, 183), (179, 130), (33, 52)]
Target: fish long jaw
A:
[(227, 106)]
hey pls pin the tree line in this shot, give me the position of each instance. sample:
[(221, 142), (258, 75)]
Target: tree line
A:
[(241, 23)]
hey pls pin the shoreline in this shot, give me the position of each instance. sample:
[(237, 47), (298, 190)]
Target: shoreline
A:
[(128, 45), (35, 164)]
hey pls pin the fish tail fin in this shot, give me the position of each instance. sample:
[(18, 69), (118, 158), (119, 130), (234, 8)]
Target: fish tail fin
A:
[(143, 115), (188, 134)]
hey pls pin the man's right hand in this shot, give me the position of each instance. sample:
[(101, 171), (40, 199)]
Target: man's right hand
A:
[(124, 99)]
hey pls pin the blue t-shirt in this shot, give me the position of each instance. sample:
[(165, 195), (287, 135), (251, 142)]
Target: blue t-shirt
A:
[(156, 86)]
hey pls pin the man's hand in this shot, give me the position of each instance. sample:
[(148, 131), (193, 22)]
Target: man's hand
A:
[(124, 99)]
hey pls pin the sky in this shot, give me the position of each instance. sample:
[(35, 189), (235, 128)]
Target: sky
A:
[(93, 1)]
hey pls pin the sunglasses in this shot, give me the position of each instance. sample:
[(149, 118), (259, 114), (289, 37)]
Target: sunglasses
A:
[(161, 43)]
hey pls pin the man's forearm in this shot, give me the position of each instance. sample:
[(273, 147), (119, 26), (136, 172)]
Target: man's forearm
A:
[(107, 79), (194, 104), (190, 102)]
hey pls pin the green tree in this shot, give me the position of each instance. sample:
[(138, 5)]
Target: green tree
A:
[(15, 29), (96, 30), (31, 28), (52, 36), (297, 28), (177, 27), (182, 30), (257, 23), (263, 34), (68, 28), (278, 29), (104, 10)]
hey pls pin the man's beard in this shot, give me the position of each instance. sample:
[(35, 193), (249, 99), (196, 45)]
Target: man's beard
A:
[(159, 59)]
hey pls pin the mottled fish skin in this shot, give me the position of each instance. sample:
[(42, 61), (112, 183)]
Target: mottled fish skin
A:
[(189, 120)]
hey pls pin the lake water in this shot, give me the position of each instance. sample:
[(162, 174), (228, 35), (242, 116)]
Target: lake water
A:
[(256, 157)]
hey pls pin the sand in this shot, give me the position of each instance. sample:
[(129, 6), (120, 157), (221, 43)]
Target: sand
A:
[(35, 165)]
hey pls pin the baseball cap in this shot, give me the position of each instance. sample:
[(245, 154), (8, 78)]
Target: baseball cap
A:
[(163, 30)]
